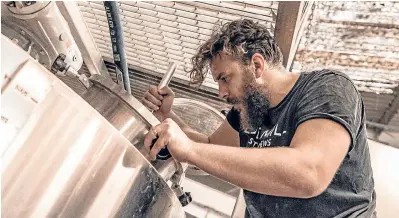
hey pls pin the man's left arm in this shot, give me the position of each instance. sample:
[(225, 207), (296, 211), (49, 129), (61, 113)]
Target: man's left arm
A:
[(303, 170)]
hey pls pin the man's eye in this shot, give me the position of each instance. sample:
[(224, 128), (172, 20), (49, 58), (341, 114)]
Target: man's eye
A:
[(224, 79)]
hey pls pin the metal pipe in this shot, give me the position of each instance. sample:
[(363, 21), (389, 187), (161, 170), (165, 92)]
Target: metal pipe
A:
[(166, 168), (91, 55), (118, 47)]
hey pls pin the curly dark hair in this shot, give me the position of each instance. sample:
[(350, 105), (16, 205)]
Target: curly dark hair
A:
[(240, 39)]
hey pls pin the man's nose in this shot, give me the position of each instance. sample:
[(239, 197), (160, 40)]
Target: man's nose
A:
[(223, 93)]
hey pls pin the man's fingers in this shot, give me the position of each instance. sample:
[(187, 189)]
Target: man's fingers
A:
[(159, 144), (166, 91), (149, 105), (155, 133), (148, 139), (154, 91), (152, 99)]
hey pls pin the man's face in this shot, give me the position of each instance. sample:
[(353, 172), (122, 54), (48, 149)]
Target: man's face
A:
[(237, 84)]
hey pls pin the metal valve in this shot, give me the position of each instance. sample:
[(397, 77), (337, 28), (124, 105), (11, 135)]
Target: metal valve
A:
[(184, 197), (163, 154)]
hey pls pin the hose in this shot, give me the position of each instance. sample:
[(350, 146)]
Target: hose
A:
[(118, 47)]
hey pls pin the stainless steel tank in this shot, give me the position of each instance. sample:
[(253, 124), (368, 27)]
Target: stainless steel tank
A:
[(62, 158), (131, 118), (41, 30), (120, 109)]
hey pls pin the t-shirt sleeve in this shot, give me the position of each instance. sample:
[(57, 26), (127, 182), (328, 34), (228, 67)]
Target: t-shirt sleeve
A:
[(233, 117), (331, 96)]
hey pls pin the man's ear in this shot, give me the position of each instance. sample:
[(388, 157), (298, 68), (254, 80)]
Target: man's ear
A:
[(259, 64)]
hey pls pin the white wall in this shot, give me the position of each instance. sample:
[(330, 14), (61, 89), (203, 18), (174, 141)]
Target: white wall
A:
[(389, 138), (385, 163)]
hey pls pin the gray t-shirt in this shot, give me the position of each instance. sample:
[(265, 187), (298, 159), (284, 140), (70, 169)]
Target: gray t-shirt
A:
[(320, 94)]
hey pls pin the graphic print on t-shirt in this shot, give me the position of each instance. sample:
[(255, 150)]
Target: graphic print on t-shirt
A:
[(263, 137)]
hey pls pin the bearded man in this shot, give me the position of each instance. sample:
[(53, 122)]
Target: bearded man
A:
[(296, 143)]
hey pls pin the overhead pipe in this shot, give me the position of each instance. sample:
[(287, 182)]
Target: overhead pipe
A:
[(382, 126), (118, 47)]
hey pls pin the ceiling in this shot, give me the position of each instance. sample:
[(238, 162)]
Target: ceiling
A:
[(358, 38), (157, 33)]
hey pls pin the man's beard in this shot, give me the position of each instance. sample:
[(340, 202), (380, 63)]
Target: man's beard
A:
[(254, 101)]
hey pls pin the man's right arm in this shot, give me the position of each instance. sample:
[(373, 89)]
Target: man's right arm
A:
[(224, 135)]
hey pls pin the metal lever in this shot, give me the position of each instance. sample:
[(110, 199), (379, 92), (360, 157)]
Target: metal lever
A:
[(167, 76), (164, 153)]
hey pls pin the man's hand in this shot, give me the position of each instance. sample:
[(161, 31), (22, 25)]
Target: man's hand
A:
[(169, 134), (160, 101)]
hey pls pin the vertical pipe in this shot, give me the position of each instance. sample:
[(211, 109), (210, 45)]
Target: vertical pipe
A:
[(118, 47)]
